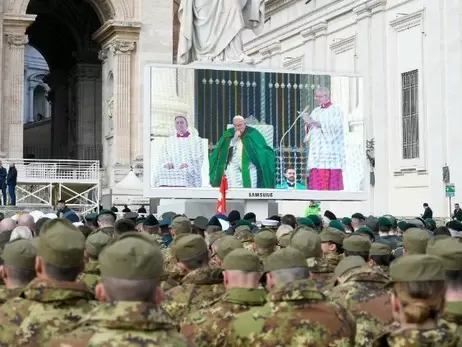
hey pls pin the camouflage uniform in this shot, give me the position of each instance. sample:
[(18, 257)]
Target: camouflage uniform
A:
[(208, 327), (440, 337), (7, 294), (200, 287), (296, 314), (127, 323), (91, 275), (245, 235), (266, 241), (48, 307)]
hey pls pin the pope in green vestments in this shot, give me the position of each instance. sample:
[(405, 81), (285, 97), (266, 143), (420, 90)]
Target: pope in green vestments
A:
[(243, 154)]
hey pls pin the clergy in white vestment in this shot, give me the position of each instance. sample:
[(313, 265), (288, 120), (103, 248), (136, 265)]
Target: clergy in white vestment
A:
[(326, 145), (181, 158), (211, 29)]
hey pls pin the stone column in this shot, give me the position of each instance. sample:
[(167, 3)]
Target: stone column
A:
[(2, 148), (320, 45), (13, 96), (30, 105), (308, 40), (88, 111)]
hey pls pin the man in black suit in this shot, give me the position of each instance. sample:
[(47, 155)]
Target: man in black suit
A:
[(428, 213), (3, 175)]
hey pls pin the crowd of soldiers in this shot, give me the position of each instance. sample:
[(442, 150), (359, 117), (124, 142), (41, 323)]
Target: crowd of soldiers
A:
[(229, 281)]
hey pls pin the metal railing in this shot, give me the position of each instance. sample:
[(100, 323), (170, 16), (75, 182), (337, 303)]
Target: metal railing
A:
[(55, 170)]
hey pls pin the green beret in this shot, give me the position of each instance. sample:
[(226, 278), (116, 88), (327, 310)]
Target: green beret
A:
[(379, 249), (317, 221), (227, 244), (347, 264), (306, 221), (188, 246), (366, 231), (358, 215), (336, 224), (95, 243), (135, 256), (200, 222), (90, 217), (284, 241), (243, 222), (242, 260), (61, 244), (181, 225), (415, 241), (449, 250), (307, 241), (430, 224), (286, 258), (417, 268), (385, 222), (105, 212), (346, 221), (332, 235), (402, 225), (140, 219), (20, 254), (243, 232), (266, 238), (168, 215), (215, 237), (357, 243)]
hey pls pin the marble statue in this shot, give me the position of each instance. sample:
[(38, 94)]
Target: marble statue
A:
[(211, 29), (110, 113)]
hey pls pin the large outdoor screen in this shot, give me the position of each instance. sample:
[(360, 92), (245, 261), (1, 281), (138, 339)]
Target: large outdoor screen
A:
[(274, 135)]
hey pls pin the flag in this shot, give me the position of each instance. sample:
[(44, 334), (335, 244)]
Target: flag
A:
[(221, 202)]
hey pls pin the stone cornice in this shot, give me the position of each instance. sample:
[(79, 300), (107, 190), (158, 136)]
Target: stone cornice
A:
[(343, 45), (16, 24), (407, 22), (294, 63), (271, 50), (273, 6), (112, 29)]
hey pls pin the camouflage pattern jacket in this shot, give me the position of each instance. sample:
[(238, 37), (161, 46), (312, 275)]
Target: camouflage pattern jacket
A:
[(453, 317), (123, 323), (198, 289), (91, 276), (208, 327), (440, 337), (296, 314), (46, 308), (322, 271), (7, 294)]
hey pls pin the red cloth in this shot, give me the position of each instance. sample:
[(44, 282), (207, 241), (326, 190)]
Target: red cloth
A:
[(325, 179), (326, 105), (186, 134), (221, 202)]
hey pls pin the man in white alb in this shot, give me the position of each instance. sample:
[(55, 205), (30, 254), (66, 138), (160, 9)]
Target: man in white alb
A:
[(181, 158)]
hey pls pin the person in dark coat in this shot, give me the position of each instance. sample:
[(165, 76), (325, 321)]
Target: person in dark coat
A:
[(11, 181), (428, 213), (3, 175)]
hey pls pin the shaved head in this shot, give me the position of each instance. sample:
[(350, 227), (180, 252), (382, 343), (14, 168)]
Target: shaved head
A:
[(26, 220), (7, 224)]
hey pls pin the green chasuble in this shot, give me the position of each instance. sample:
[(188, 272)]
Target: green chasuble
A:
[(255, 151)]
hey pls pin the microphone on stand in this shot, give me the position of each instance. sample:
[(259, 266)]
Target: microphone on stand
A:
[(281, 151)]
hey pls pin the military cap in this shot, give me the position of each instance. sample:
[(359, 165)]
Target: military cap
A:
[(359, 216), (317, 222), (454, 225), (332, 235), (373, 224), (234, 216), (284, 241), (306, 221), (347, 264), (286, 258), (357, 243), (61, 244), (328, 214), (135, 256), (430, 224), (215, 237), (168, 215), (366, 231), (227, 244), (140, 219), (242, 259), (20, 254), (131, 215), (402, 225), (347, 221), (449, 251), (243, 232), (107, 212), (385, 222), (165, 223), (95, 243), (214, 222), (188, 246), (90, 217), (379, 249), (243, 222), (270, 223), (250, 216), (415, 241), (181, 225), (283, 230), (336, 224), (307, 241), (151, 221), (200, 222), (266, 238), (417, 268)]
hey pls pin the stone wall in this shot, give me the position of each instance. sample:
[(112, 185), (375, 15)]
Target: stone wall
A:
[(37, 139)]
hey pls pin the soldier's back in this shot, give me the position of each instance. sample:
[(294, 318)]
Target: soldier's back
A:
[(452, 317), (91, 276), (441, 337), (296, 315), (322, 271), (122, 324)]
